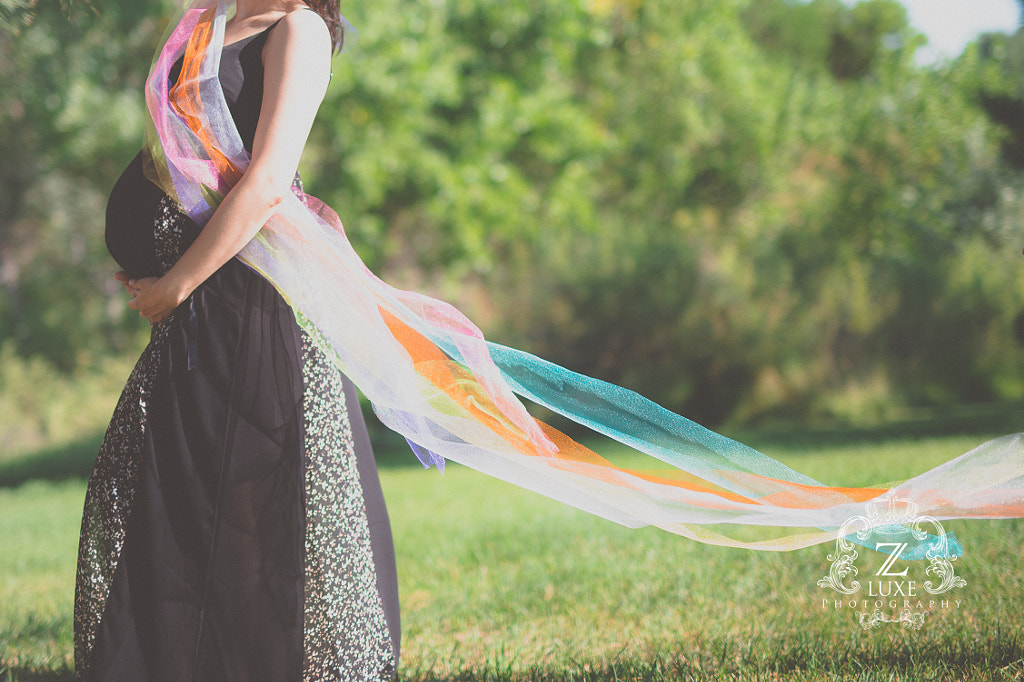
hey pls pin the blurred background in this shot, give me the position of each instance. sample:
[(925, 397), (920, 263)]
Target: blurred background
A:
[(752, 211)]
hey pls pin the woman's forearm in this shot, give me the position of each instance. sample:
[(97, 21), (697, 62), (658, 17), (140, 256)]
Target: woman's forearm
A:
[(245, 209), (296, 72)]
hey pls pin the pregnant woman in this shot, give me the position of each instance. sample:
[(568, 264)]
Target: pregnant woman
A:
[(234, 525)]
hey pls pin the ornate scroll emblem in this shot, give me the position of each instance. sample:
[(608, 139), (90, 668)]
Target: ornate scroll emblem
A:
[(893, 525)]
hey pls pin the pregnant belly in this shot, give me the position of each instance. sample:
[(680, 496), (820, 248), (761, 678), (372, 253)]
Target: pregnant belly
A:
[(144, 232)]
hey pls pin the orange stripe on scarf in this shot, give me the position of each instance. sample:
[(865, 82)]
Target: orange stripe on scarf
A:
[(184, 95), (459, 385)]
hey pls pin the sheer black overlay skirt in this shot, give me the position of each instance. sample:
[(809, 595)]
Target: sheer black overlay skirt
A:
[(234, 527)]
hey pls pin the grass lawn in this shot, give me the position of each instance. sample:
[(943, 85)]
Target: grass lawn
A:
[(501, 584)]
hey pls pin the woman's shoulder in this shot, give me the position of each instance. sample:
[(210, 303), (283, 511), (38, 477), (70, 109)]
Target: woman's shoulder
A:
[(298, 48), (300, 25)]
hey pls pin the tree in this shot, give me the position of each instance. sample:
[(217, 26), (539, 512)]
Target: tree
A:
[(70, 118)]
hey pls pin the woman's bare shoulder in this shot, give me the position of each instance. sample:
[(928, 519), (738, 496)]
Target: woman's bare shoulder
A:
[(302, 24)]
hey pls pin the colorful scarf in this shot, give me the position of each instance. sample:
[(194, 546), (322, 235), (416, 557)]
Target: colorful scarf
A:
[(432, 377)]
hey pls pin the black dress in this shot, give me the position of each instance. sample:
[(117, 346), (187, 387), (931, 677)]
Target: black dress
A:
[(234, 527)]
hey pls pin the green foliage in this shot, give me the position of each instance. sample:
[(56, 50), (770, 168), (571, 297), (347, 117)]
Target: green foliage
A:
[(736, 208), (41, 406), (848, 42), (742, 209), (70, 117)]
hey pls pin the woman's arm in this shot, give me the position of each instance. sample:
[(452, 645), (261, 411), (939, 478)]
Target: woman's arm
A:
[(297, 69)]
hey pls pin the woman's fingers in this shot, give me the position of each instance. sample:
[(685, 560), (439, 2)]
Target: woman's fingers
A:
[(135, 286), (122, 277), (154, 316), (142, 282), (148, 300)]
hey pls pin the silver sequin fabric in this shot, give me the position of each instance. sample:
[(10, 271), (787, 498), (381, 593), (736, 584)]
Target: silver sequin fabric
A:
[(168, 233), (111, 490), (346, 635), (109, 497)]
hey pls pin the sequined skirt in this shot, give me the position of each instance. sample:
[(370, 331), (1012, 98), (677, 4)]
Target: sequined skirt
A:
[(234, 527)]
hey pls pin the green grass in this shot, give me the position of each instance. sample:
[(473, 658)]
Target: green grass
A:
[(500, 584), (39, 537)]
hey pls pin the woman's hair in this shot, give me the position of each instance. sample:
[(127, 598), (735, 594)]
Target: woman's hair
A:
[(330, 12)]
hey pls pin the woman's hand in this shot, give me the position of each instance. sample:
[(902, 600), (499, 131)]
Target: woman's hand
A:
[(154, 297)]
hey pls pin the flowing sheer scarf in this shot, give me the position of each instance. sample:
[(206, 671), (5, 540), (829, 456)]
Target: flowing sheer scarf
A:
[(432, 377)]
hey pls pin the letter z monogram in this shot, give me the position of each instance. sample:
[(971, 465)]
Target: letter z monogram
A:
[(898, 548)]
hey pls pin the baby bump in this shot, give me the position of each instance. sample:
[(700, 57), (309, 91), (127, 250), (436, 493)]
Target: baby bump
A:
[(145, 232)]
